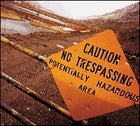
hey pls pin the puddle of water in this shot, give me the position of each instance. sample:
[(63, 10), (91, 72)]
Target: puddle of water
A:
[(9, 26)]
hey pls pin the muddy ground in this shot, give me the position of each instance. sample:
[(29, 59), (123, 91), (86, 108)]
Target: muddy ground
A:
[(38, 77)]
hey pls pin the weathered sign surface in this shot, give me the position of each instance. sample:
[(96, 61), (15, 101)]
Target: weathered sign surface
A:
[(94, 77)]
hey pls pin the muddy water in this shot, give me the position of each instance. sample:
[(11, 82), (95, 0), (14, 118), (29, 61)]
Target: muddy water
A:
[(9, 26)]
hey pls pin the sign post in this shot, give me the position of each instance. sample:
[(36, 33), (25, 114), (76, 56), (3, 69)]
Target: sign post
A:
[(94, 77)]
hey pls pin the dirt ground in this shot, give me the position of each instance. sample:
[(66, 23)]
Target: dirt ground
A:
[(38, 77)]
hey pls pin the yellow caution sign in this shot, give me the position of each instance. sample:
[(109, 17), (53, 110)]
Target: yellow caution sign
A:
[(94, 77)]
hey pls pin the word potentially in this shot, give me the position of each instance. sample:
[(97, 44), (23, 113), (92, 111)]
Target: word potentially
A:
[(69, 70)]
